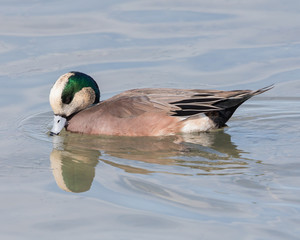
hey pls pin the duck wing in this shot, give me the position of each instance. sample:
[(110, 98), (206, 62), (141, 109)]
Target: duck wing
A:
[(176, 102), (206, 101)]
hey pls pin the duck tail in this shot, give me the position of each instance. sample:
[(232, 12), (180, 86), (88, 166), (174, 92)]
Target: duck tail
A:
[(262, 90), (230, 104)]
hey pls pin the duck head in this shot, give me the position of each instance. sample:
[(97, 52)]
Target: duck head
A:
[(71, 93)]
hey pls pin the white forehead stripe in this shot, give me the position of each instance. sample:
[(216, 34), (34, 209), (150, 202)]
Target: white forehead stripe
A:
[(56, 92)]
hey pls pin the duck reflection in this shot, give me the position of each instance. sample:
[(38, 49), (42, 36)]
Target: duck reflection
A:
[(75, 156), (73, 167)]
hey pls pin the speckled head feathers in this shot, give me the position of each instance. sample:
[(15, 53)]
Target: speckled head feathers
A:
[(72, 92)]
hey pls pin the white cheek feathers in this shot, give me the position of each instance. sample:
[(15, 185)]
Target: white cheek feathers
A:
[(56, 92), (81, 100)]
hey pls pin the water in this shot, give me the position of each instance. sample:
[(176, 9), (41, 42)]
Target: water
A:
[(240, 182)]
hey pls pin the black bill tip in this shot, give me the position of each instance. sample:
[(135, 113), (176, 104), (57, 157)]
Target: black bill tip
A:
[(52, 133)]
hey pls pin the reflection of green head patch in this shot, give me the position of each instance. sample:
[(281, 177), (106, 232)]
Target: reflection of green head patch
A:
[(75, 83)]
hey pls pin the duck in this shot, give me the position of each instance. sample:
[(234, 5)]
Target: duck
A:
[(75, 101)]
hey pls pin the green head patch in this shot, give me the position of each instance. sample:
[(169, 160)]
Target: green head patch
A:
[(77, 82)]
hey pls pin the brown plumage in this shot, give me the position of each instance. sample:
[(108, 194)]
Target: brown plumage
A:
[(74, 99), (156, 112)]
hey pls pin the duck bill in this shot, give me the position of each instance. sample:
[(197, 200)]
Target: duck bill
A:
[(59, 123)]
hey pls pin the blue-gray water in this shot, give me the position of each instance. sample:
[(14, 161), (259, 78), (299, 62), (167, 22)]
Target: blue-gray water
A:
[(241, 182)]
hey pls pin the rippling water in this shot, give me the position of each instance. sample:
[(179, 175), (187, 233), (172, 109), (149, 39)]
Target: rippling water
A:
[(240, 182)]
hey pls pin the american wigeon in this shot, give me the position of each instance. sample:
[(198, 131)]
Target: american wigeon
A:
[(75, 100)]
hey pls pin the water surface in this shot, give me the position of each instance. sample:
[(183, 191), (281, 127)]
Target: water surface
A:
[(240, 182)]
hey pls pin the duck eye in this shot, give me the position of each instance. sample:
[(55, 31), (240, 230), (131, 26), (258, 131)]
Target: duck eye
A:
[(58, 121)]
